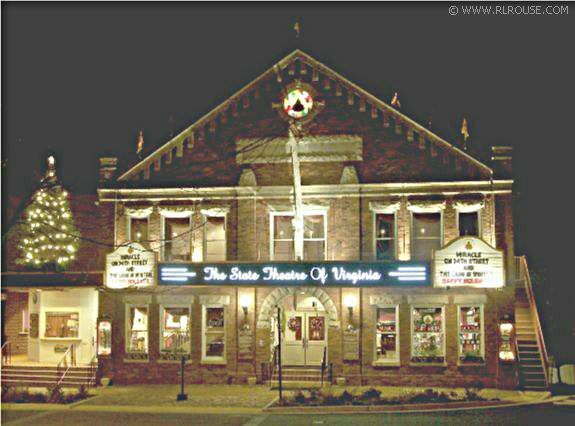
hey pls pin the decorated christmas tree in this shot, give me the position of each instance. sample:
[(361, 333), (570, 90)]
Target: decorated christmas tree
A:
[(49, 239)]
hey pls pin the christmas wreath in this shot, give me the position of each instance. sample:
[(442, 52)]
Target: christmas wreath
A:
[(293, 324)]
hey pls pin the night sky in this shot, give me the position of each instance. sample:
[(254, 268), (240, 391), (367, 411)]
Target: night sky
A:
[(81, 80)]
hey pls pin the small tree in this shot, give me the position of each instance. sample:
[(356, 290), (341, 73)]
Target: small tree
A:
[(49, 238)]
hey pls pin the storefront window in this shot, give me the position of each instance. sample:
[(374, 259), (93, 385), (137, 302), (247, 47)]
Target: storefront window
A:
[(313, 237), (62, 324), (426, 235), (427, 335), (139, 229), (137, 340), (215, 239), (175, 331), (214, 335), (386, 335), (104, 337), (470, 334), (177, 239), (468, 224), (384, 236)]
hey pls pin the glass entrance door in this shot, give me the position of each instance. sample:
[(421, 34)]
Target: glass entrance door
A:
[(304, 338)]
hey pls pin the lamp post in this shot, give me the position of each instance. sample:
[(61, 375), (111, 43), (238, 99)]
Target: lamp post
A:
[(182, 396)]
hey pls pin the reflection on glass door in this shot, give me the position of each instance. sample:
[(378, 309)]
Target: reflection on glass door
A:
[(304, 338)]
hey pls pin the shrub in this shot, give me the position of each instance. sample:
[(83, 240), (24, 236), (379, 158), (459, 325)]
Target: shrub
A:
[(346, 397), (314, 395), (329, 399), (299, 397), (371, 393), (56, 395)]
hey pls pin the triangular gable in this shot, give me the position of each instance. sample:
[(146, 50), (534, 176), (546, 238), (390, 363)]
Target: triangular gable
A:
[(154, 159)]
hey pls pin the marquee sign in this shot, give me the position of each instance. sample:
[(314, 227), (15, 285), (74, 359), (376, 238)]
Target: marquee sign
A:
[(130, 266), (468, 261), (332, 274)]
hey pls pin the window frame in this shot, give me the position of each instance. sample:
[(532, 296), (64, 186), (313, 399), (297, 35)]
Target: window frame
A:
[(206, 217), (129, 229), (374, 232), (479, 228), (162, 307), (25, 318), (57, 310), (210, 359), (164, 239), (443, 331), (482, 331), (128, 334), (291, 213), (412, 233), (397, 360)]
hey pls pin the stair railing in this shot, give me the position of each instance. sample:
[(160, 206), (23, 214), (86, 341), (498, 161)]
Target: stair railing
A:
[(526, 280), (6, 353), (323, 364), (63, 363), (93, 371), (273, 364)]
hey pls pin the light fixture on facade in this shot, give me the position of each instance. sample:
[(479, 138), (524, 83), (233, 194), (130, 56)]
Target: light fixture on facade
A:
[(245, 303), (506, 349), (350, 302)]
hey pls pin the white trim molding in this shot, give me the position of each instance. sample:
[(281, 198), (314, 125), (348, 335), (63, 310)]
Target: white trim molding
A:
[(139, 213), (181, 212), (384, 207)]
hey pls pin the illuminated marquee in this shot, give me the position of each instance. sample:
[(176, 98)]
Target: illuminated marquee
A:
[(130, 266), (468, 261), (333, 274)]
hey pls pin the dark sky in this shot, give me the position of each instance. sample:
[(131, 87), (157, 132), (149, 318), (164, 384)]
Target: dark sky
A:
[(80, 80)]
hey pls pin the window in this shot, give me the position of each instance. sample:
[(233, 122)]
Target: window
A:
[(386, 335), (25, 321), (468, 223), (428, 336), (177, 239), (314, 241), (283, 242), (137, 336), (426, 235), (213, 333), (313, 237), (175, 329), (61, 324), (139, 229), (215, 238), (384, 236), (105, 337), (470, 334)]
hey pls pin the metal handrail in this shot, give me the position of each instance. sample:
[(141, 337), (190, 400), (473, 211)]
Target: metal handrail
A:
[(91, 371), (273, 364), (323, 364), (64, 361), (525, 277), (6, 353)]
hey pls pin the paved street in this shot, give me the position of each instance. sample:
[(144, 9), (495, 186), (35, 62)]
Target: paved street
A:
[(503, 416)]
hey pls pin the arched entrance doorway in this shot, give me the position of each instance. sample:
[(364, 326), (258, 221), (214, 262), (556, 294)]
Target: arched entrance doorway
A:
[(307, 314)]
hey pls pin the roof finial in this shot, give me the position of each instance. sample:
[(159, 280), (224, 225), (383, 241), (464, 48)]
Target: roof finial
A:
[(465, 133), (395, 101), (140, 146), (297, 28)]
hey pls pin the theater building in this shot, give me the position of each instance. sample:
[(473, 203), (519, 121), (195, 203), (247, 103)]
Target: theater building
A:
[(303, 212)]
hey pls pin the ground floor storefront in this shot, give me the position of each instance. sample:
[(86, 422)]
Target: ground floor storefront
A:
[(229, 333)]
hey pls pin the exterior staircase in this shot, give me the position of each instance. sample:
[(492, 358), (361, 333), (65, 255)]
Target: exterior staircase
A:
[(531, 350), (299, 376), (44, 376)]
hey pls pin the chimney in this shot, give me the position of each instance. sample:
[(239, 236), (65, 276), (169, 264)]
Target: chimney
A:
[(108, 167), (501, 160)]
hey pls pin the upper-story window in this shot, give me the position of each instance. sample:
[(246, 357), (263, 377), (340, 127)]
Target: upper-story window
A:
[(138, 229), (177, 239), (468, 223), (425, 235), (215, 238), (314, 241), (384, 236)]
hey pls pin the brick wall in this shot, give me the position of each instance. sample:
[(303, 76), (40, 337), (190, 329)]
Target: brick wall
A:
[(15, 304)]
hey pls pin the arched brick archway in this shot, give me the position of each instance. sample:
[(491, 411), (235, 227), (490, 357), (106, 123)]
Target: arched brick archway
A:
[(278, 294)]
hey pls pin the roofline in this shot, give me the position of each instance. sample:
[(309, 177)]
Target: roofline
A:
[(282, 63)]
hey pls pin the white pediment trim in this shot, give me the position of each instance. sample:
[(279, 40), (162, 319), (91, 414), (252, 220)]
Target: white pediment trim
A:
[(384, 207), (176, 212), (471, 299), (216, 211), (385, 300), (139, 213), (424, 300), (138, 299)]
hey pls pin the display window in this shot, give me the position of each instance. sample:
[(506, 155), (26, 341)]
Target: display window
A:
[(428, 335), (387, 335), (213, 333), (175, 329), (177, 237), (471, 334), (62, 325), (137, 336), (215, 239)]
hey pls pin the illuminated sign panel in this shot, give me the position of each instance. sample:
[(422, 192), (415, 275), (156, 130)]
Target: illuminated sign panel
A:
[(130, 266), (468, 261), (330, 274)]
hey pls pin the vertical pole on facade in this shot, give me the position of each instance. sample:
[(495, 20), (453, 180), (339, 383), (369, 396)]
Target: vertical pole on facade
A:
[(298, 203), (280, 352), (182, 396)]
